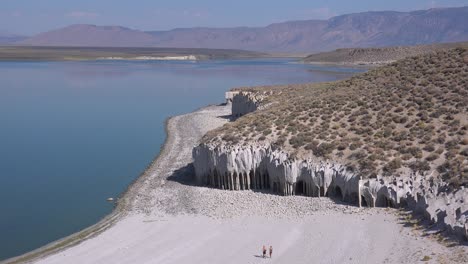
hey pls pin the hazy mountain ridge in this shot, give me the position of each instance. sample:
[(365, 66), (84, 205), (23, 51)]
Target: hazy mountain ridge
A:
[(7, 38), (368, 29), (91, 35)]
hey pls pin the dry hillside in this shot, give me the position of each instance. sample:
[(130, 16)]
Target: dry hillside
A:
[(376, 56), (407, 116)]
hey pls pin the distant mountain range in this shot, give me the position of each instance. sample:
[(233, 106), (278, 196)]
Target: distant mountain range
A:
[(368, 29), (7, 38)]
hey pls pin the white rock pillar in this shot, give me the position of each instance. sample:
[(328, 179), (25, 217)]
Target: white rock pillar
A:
[(359, 194)]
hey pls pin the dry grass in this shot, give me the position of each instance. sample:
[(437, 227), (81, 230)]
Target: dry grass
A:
[(407, 116)]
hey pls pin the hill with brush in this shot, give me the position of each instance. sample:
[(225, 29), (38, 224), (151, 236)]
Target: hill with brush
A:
[(376, 56), (409, 115)]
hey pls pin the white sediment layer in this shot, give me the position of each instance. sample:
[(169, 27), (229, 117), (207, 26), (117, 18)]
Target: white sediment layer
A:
[(167, 58)]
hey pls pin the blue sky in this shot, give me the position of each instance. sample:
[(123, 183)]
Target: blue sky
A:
[(33, 16)]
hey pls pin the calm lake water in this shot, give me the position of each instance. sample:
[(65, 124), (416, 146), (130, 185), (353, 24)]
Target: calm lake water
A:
[(75, 133)]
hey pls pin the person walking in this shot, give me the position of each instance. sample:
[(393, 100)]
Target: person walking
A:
[(264, 251), (271, 251)]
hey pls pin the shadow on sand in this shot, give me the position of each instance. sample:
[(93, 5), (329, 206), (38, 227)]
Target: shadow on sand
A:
[(418, 223)]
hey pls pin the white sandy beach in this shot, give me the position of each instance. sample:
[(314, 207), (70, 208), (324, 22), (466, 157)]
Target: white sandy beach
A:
[(167, 220)]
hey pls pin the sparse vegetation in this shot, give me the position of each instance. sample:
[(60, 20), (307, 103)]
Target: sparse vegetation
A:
[(380, 55)]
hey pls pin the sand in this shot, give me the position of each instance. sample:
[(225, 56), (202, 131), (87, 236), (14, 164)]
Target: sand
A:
[(165, 219), (330, 238)]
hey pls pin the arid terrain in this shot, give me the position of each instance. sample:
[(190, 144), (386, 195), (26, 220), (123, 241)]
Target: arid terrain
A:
[(376, 56)]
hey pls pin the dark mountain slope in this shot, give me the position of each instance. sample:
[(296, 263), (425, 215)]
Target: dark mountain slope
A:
[(368, 29)]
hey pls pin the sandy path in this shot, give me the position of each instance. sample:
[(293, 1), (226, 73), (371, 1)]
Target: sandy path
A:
[(169, 221)]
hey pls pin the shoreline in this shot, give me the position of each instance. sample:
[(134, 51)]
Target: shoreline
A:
[(365, 65), (121, 209), (164, 218)]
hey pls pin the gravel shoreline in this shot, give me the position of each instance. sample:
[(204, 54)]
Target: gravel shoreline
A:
[(163, 218)]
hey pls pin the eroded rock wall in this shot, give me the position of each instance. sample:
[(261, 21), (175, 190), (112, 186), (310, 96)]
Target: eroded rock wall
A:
[(261, 167), (244, 102)]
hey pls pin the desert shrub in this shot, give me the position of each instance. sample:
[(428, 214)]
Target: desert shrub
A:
[(392, 166), (419, 166), (452, 144), (266, 132), (367, 167), (358, 155), (399, 136), (387, 132), (342, 146), (464, 152), (355, 145), (429, 148), (432, 157), (323, 150), (440, 139), (450, 154)]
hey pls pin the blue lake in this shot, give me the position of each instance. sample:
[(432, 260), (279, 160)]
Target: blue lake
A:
[(75, 133)]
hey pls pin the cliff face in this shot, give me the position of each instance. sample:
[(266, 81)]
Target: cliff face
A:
[(261, 165), (244, 102)]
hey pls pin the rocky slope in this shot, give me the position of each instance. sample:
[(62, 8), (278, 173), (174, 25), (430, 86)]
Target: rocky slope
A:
[(376, 56), (370, 140), (368, 29)]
